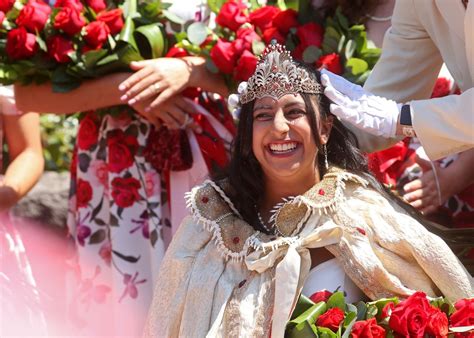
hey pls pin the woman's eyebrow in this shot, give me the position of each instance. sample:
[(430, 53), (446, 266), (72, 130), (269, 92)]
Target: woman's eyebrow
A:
[(291, 104), (262, 106)]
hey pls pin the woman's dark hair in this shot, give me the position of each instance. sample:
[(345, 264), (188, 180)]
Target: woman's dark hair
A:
[(245, 174)]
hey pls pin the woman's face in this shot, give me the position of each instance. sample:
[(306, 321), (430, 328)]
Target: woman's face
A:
[(282, 139)]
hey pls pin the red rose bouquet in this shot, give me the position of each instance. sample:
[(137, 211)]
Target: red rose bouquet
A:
[(75, 39), (243, 31), (326, 314)]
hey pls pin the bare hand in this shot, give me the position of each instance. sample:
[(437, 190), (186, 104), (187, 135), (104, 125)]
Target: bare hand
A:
[(422, 193), (157, 80), (175, 113)]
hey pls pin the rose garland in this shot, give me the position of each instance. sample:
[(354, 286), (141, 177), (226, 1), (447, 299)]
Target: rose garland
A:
[(76, 40), (326, 314)]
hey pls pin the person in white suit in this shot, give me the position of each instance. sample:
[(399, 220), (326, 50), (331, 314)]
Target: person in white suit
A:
[(395, 100)]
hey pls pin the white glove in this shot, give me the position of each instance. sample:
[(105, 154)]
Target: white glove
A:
[(374, 114)]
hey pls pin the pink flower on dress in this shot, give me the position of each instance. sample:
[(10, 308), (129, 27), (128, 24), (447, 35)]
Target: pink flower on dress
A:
[(88, 291), (152, 183), (99, 169), (131, 285), (105, 252)]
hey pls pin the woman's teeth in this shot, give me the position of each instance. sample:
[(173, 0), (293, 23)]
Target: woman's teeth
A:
[(282, 148)]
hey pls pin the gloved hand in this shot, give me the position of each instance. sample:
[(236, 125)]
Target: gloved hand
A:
[(374, 114)]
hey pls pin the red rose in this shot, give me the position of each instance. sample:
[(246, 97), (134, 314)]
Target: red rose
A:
[(387, 310), (310, 34), (286, 20), (244, 40), (464, 314), (263, 17), (125, 191), (83, 193), (331, 62), (437, 323), (59, 48), (113, 19), (75, 4), (410, 317), (224, 56), (331, 319), (33, 16), (442, 87), (245, 66), (176, 52), (88, 133), (20, 44), (69, 20), (122, 149), (320, 296), (96, 34), (6, 5), (2, 16), (273, 33), (96, 5), (367, 329), (232, 15)]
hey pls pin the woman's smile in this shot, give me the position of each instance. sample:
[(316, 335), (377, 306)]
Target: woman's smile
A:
[(283, 148)]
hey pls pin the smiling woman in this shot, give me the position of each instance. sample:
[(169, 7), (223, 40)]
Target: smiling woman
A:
[(297, 212)]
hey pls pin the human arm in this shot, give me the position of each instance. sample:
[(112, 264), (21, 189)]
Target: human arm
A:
[(163, 78), (26, 159), (423, 193), (91, 94)]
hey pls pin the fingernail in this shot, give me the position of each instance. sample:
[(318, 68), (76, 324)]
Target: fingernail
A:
[(198, 130), (123, 98), (147, 109), (132, 102), (122, 87)]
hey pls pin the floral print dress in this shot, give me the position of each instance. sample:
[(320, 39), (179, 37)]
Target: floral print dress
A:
[(119, 209)]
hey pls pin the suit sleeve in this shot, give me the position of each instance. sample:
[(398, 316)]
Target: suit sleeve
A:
[(408, 67)]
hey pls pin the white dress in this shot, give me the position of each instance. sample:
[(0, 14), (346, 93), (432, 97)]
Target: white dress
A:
[(330, 276)]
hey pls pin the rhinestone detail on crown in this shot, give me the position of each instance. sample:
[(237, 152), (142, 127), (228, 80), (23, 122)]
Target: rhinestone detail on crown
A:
[(277, 75)]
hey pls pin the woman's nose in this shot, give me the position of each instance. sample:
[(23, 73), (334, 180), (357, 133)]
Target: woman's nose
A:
[(280, 123)]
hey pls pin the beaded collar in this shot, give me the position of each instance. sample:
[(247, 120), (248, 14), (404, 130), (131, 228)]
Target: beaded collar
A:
[(234, 237)]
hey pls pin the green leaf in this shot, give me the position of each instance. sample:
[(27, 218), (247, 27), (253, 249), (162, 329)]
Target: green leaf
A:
[(173, 17), (349, 321), (361, 310), (303, 329), (336, 300), (324, 332), (303, 304), (309, 315), (130, 259), (90, 58), (62, 82), (357, 66), (342, 20), (41, 44), (126, 35), (341, 43), (150, 41), (311, 54), (97, 237), (197, 33), (99, 222), (215, 5), (153, 237), (350, 49)]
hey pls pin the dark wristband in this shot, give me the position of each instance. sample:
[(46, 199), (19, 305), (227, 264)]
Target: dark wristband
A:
[(405, 115)]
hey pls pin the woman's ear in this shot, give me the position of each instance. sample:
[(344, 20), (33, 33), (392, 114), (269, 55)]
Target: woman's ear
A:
[(326, 127)]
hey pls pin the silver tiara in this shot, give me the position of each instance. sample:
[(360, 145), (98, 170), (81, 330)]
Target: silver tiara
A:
[(277, 75)]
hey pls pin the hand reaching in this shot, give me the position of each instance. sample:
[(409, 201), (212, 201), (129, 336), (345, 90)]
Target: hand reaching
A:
[(429, 191), (373, 114), (157, 80)]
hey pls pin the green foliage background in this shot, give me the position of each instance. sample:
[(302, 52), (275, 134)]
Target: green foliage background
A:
[(58, 134)]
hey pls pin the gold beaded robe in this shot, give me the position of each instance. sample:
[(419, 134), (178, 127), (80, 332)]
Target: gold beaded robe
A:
[(222, 278)]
